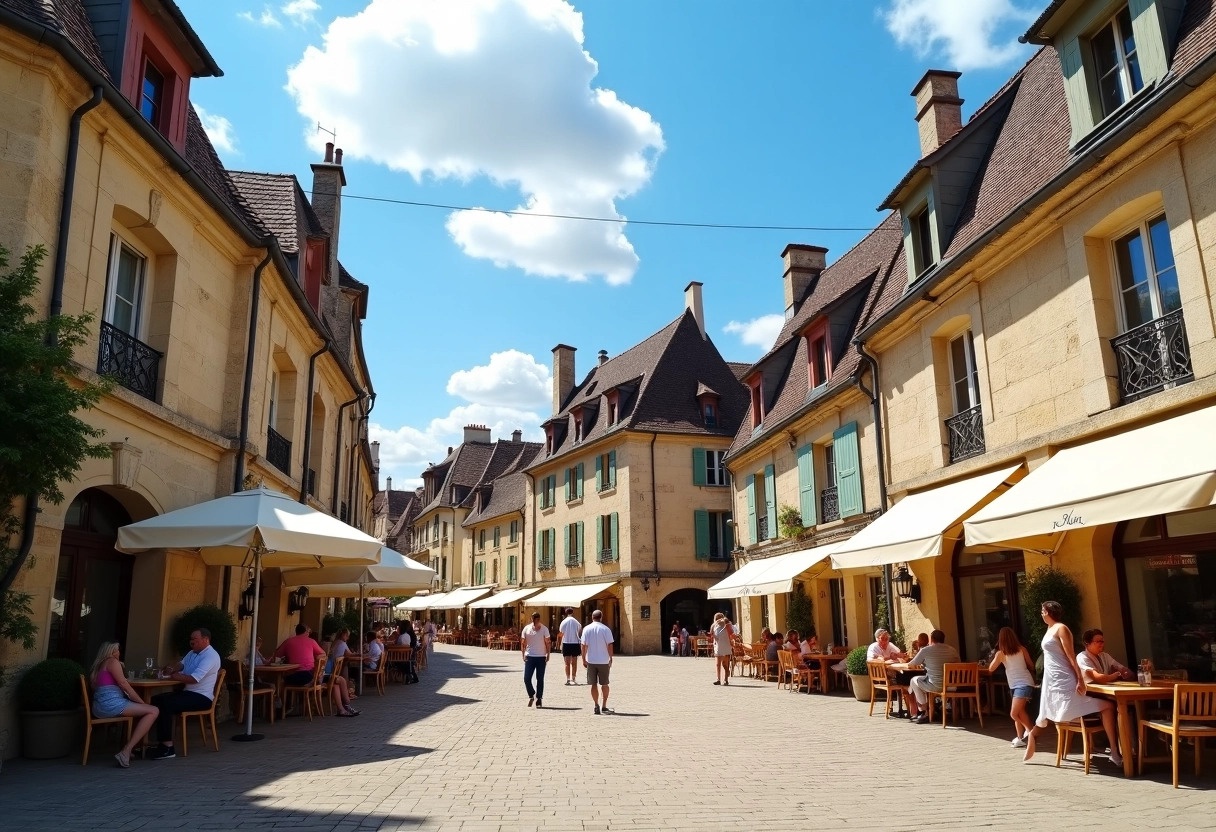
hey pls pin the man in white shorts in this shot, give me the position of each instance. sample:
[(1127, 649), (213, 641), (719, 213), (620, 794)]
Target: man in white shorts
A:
[(571, 649), (597, 658)]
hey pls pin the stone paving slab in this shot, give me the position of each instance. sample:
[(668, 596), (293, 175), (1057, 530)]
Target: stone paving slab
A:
[(461, 751)]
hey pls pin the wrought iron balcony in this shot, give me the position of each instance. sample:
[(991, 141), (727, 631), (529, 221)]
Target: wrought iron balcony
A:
[(278, 450), (1153, 357), (545, 562), (829, 505), (966, 434), (572, 559), (762, 528), (129, 360), (604, 556)]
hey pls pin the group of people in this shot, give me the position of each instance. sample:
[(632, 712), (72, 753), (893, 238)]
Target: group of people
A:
[(593, 644)]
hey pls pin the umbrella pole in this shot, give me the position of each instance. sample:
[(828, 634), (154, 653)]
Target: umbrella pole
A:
[(362, 664), (249, 736)]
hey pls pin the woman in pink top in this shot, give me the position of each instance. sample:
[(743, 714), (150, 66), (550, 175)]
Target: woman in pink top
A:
[(112, 696)]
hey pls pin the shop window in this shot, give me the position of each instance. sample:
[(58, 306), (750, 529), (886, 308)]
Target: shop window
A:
[(986, 587)]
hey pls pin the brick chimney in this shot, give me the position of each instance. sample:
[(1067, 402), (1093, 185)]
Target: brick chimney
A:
[(388, 484), (692, 302), (517, 436), (477, 433), (603, 357), (939, 110), (563, 375), (328, 180), (803, 265)]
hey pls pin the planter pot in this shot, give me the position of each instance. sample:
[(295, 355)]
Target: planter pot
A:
[(861, 687), (47, 735)]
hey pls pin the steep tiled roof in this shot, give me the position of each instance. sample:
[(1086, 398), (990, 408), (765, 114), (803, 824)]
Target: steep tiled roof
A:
[(509, 488), (462, 469), (279, 202), (67, 18), (347, 282), (739, 368)]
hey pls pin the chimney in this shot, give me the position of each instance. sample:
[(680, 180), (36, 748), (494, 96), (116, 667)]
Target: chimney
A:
[(939, 110), (328, 180), (517, 436), (803, 265), (376, 455), (603, 357), (692, 302), (338, 156), (329, 153), (388, 484), (563, 375), (477, 433)]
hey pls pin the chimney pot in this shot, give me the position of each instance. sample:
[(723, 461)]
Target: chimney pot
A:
[(603, 357), (476, 433), (692, 302), (388, 484), (329, 152), (939, 110), (803, 265), (338, 156), (517, 436), (563, 375)]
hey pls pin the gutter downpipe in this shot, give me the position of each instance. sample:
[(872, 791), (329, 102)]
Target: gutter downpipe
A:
[(338, 454), (30, 516), (238, 476), (312, 374), (654, 507), (882, 466)]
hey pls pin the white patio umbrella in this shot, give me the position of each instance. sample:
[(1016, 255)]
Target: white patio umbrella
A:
[(394, 574), (253, 529)]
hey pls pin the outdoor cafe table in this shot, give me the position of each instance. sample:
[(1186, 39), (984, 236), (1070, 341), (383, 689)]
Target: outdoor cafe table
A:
[(985, 677), (826, 660), (146, 688), (1122, 693), (277, 672)]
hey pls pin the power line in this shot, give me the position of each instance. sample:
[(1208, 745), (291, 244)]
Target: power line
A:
[(668, 223)]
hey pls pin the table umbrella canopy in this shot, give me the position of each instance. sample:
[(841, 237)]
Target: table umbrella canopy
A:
[(395, 573), (225, 531)]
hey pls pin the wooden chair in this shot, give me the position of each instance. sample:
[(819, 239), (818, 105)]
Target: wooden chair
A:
[(242, 695), (1194, 719), (840, 679), (962, 681), (205, 716), (792, 672), (90, 720), (311, 691), (765, 668), (327, 697), (395, 657), (1086, 727), (740, 658), (377, 675), (880, 681)]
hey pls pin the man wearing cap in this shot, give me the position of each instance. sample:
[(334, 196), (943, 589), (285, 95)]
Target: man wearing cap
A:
[(571, 630), (534, 644)]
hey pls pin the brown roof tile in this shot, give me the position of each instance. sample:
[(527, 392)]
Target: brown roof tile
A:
[(279, 202)]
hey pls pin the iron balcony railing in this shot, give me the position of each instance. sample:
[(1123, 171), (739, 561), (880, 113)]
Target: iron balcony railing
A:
[(545, 562), (966, 432), (762, 528), (129, 360), (278, 450), (572, 559), (604, 556), (1153, 357), (829, 505)]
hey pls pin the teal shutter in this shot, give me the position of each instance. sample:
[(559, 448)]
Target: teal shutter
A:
[(599, 473), (770, 499), (700, 519), (806, 485), (552, 545), (751, 508), (848, 470), (599, 536), (511, 569), (578, 541), (728, 534), (566, 542), (542, 489), (497, 536), (540, 546), (569, 496), (616, 537), (698, 466), (612, 469), (579, 472)]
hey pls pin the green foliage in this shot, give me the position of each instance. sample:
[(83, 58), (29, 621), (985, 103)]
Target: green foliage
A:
[(350, 618), (789, 521), (1047, 583), (855, 662), (799, 614), (880, 620), (330, 624), (218, 621), (51, 685)]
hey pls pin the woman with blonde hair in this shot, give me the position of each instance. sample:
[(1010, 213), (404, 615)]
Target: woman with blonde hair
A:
[(722, 632), (113, 696)]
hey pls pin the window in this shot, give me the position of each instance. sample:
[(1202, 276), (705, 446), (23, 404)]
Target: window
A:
[(1116, 62), (710, 412), (152, 94), (708, 467), (964, 377), (605, 471), (272, 410), (1148, 281), (573, 537), (125, 287), (445, 532), (548, 491), (574, 483), (577, 416), (497, 536), (481, 540), (714, 535), (546, 543), (757, 388), (821, 362), (513, 533), (607, 538), (512, 571), (829, 497), (923, 255), (612, 407)]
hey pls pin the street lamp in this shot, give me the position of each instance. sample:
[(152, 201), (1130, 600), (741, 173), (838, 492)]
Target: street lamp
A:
[(905, 585), (297, 599)]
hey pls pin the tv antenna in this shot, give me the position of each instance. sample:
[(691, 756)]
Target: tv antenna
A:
[(333, 134)]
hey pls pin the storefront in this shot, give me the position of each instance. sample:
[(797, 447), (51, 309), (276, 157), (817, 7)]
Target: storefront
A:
[(986, 594)]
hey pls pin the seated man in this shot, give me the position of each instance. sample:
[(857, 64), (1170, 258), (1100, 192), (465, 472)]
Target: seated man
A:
[(302, 650), (198, 670), (1098, 666), (882, 650), (933, 658)]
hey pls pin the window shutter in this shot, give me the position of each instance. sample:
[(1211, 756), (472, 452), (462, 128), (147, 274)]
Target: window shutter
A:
[(751, 508), (599, 473), (569, 496), (541, 490), (497, 536), (806, 485), (698, 466), (566, 543), (540, 546), (701, 524), (728, 534), (599, 536), (616, 537), (579, 472), (770, 499), (511, 569), (612, 469), (552, 544), (578, 541), (848, 470), (553, 489)]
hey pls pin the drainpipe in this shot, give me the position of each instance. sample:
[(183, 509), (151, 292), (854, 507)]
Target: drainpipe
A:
[(238, 477), (523, 533), (354, 465), (872, 395), (338, 453), (312, 374), (654, 507), (30, 517)]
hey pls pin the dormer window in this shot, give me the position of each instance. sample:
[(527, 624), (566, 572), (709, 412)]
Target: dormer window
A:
[(710, 413), (1116, 62), (923, 255), (152, 94), (613, 399), (549, 439), (819, 354), (577, 415), (757, 390)]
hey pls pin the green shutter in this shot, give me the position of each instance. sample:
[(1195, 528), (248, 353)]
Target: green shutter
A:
[(700, 520), (497, 536), (770, 500), (612, 469), (540, 546), (511, 569), (751, 508), (848, 470), (599, 473), (599, 536), (616, 537), (579, 472), (698, 466), (566, 543), (578, 541), (806, 485), (552, 545), (728, 534), (553, 489), (569, 497)]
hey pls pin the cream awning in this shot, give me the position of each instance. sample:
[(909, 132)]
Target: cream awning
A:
[(570, 595), (458, 598), (1160, 468), (421, 602), (913, 528), (779, 576), (735, 585), (501, 599)]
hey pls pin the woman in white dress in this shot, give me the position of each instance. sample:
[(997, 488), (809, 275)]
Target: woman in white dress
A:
[(1063, 696)]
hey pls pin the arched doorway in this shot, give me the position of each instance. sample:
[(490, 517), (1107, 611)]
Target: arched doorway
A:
[(92, 582), (986, 592), (692, 608)]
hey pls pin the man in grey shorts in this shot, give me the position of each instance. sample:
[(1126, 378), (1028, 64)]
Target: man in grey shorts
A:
[(597, 658)]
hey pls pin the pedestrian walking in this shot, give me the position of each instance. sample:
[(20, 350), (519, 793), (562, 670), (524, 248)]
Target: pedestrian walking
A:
[(597, 658), (534, 645), (571, 630), (722, 632)]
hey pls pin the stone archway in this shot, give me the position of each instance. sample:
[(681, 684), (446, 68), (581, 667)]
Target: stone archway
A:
[(692, 608)]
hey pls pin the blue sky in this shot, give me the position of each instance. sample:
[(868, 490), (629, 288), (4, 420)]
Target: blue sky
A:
[(769, 113)]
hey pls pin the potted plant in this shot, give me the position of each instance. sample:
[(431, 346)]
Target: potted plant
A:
[(789, 521), (48, 697), (855, 667)]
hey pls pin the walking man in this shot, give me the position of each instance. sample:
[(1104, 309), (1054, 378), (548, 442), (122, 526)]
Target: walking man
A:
[(534, 644), (597, 658), (571, 647)]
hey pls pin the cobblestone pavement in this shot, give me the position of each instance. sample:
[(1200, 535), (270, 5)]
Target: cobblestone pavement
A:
[(461, 751)]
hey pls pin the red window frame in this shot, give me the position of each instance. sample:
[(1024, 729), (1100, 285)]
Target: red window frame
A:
[(818, 337), (756, 384)]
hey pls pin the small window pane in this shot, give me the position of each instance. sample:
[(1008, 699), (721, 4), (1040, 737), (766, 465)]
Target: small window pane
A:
[(152, 94), (1142, 528), (1200, 521), (1163, 260), (125, 310), (1106, 54)]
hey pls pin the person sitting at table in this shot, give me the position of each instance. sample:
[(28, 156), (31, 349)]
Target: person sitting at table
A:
[(197, 670), (302, 650), (882, 650), (113, 696), (406, 638), (1098, 666), (933, 659), (340, 690), (810, 646), (258, 658), (771, 646), (922, 640), (375, 649)]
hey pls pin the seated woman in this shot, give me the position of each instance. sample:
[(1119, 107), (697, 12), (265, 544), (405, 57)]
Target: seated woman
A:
[(375, 649), (810, 646), (793, 644), (340, 691), (113, 696)]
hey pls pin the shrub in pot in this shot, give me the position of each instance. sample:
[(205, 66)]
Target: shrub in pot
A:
[(855, 666), (49, 700)]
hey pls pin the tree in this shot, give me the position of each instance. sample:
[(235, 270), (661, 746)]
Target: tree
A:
[(799, 615), (43, 441)]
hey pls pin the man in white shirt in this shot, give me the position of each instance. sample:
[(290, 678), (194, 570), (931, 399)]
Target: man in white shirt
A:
[(534, 644), (198, 670), (571, 630), (597, 658), (1098, 666)]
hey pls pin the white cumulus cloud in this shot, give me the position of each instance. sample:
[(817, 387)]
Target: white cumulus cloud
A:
[(494, 89), (263, 18), (511, 379), (301, 12), (759, 332), (218, 129), (972, 34)]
